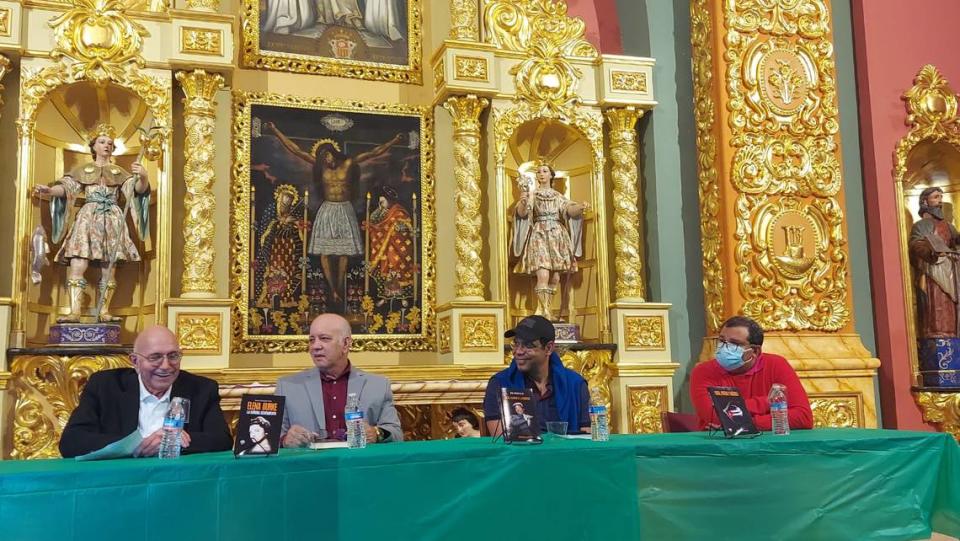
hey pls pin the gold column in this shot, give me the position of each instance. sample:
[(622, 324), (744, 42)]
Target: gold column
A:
[(626, 198), (199, 88), (464, 22), (771, 191), (465, 111)]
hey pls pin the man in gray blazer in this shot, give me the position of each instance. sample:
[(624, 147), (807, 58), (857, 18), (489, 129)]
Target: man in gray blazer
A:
[(316, 397)]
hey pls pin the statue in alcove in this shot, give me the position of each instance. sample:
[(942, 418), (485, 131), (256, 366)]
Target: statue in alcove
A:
[(934, 256), (547, 236), (98, 232)]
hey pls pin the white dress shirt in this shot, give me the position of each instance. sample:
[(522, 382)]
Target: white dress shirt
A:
[(152, 410)]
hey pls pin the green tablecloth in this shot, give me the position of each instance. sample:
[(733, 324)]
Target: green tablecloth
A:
[(822, 484)]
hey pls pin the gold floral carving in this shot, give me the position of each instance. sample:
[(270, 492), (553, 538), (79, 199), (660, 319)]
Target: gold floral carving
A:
[(840, 411), (470, 68), (478, 332), (628, 81), (596, 366), (444, 334), (416, 420), (548, 38), (626, 199), (243, 103), (464, 23), (942, 409), (705, 113), (204, 5), (645, 407), (46, 390), (201, 41), (644, 333), (806, 18), (465, 111), (6, 22), (784, 125), (100, 39), (199, 333), (4, 68), (439, 76), (199, 88)]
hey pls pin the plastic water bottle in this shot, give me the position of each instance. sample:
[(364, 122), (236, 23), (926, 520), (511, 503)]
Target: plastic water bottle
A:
[(353, 415), (599, 427), (780, 421), (173, 423)]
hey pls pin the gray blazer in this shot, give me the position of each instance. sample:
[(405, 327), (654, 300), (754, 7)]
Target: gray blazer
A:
[(304, 403)]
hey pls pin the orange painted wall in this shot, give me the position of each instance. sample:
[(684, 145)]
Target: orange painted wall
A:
[(893, 39)]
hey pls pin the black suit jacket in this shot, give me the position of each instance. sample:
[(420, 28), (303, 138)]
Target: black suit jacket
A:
[(109, 410)]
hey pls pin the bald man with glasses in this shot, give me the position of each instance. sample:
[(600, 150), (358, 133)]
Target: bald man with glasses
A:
[(116, 402)]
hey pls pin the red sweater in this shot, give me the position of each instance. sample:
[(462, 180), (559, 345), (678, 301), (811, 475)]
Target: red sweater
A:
[(754, 385)]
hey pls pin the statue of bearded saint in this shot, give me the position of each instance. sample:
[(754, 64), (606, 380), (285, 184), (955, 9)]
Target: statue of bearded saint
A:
[(933, 255)]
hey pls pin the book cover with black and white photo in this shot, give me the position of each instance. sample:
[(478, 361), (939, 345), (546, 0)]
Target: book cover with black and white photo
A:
[(258, 428), (518, 413)]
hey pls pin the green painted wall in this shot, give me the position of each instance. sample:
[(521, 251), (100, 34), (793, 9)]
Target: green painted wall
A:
[(661, 29)]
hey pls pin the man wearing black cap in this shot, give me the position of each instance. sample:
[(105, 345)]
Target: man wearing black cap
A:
[(562, 394)]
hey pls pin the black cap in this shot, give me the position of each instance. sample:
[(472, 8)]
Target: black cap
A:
[(533, 328)]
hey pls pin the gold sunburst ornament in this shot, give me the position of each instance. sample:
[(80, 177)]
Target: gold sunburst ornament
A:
[(102, 130), (99, 36), (334, 144)]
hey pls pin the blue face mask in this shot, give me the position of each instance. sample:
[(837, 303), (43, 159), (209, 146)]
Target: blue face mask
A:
[(730, 357)]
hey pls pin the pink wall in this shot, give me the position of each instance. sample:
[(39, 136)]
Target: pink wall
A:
[(603, 23), (893, 39)]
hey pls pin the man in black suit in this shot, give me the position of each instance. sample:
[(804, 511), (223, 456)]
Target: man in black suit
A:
[(116, 402)]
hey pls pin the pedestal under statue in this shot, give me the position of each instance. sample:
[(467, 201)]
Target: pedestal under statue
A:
[(936, 262), (96, 233), (548, 239)]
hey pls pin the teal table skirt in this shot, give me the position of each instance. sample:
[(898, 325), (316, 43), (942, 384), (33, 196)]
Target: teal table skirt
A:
[(820, 484)]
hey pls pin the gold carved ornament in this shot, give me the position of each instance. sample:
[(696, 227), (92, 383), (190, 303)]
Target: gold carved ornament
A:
[(444, 335), (47, 390), (100, 38), (470, 68), (626, 198), (644, 333), (790, 248), (627, 81), (199, 332), (549, 38), (478, 332), (465, 111), (464, 23), (201, 41), (645, 407), (200, 89), (6, 20), (243, 103), (4, 67), (596, 366), (841, 412), (705, 113), (942, 409)]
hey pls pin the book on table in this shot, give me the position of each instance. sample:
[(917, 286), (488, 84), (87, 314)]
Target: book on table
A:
[(259, 424), (518, 414)]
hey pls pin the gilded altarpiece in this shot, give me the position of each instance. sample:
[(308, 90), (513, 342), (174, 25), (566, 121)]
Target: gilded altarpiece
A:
[(772, 213)]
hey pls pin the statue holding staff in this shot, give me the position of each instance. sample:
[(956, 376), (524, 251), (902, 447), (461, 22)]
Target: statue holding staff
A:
[(98, 232), (547, 235)]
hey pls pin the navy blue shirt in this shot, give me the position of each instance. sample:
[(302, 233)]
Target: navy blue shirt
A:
[(546, 403)]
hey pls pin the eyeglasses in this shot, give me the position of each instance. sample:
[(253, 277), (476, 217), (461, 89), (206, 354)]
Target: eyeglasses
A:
[(724, 343), (523, 344), (156, 358)]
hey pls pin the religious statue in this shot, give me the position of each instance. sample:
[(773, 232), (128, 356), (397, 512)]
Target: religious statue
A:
[(547, 236), (933, 254), (98, 233), (335, 231), (282, 243)]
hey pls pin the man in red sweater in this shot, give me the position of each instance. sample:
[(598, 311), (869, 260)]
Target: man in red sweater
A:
[(740, 363)]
